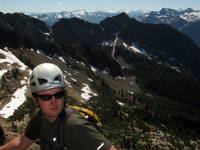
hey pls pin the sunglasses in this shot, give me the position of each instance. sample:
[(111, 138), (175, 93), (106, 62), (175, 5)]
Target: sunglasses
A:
[(47, 97)]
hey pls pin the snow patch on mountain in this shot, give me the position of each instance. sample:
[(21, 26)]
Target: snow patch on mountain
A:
[(10, 58), (62, 59), (93, 69), (192, 16), (2, 72), (108, 43), (18, 97), (90, 79), (133, 48), (17, 100), (87, 92)]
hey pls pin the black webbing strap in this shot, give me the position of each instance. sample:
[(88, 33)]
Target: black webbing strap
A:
[(53, 144), (64, 117), (59, 145)]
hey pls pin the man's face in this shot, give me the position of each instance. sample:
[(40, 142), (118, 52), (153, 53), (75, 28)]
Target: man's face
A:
[(51, 102)]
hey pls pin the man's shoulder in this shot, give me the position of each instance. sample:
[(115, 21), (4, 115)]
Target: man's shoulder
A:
[(78, 126), (75, 119)]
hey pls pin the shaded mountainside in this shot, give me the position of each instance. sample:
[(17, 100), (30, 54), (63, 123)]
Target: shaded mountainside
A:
[(74, 31), (29, 32), (163, 38), (96, 55), (176, 19), (192, 29), (154, 38), (114, 24), (18, 30), (178, 84)]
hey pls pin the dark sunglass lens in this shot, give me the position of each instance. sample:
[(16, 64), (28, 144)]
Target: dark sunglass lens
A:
[(48, 97), (45, 97), (59, 94)]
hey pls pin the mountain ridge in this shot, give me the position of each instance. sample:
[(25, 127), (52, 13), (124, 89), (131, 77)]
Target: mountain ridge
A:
[(175, 18), (153, 38), (93, 17), (144, 92)]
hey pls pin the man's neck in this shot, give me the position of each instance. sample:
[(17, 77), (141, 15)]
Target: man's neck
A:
[(51, 119)]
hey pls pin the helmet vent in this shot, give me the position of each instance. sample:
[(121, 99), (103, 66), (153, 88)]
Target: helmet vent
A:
[(57, 78), (42, 81), (33, 84)]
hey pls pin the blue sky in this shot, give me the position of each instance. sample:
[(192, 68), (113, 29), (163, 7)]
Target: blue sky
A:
[(92, 5)]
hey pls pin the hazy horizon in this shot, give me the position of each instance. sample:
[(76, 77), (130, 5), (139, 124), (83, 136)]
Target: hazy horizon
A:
[(10, 6)]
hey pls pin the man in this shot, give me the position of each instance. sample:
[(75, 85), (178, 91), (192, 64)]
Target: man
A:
[(47, 87)]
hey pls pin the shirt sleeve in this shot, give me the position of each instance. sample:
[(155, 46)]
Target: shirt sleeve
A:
[(84, 136), (32, 130)]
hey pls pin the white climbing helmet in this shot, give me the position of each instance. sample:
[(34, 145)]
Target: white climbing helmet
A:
[(46, 76)]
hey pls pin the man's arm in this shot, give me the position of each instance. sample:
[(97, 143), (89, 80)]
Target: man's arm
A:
[(19, 143)]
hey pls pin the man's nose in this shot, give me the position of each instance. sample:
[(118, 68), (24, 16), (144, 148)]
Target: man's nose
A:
[(53, 100)]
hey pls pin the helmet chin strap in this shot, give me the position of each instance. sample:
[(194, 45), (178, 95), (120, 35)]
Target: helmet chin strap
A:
[(35, 99)]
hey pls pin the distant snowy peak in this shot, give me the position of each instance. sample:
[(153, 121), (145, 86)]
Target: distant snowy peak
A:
[(167, 15), (80, 12), (59, 15), (53, 17), (68, 14), (94, 17), (169, 12), (164, 12), (191, 16)]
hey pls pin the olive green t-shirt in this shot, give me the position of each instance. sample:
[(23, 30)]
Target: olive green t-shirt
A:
[(79, 134)]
